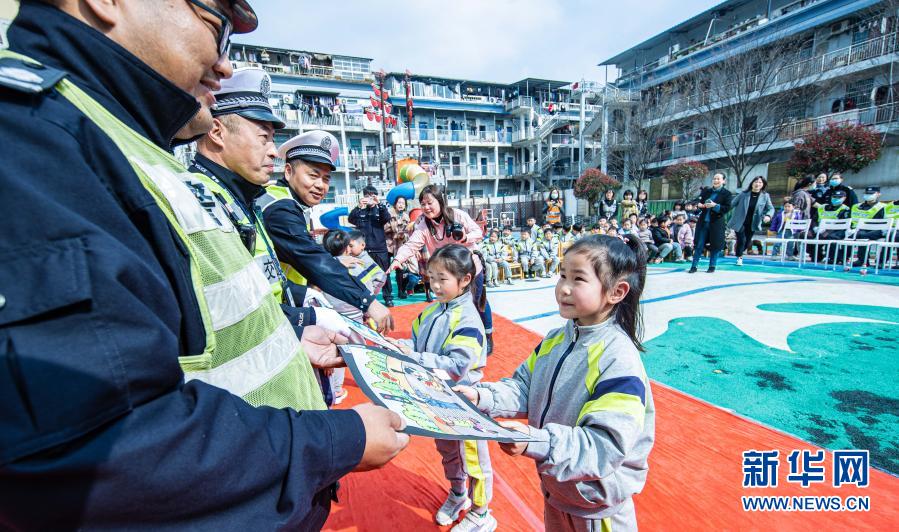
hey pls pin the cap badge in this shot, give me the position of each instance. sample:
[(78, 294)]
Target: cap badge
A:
[(326, 143), (265, 86)]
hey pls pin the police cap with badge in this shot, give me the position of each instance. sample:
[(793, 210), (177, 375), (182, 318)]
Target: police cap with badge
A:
[(246, 94), (872, 190), (313, 146), (838, 193)]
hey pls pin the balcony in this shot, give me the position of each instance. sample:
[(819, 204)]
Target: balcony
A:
[(706, 148), (520, 104), (315, 71), (793, 73), (296, 120), (456, 136), (462, 172)]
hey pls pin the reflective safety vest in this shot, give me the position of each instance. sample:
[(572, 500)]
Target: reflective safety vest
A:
[(251, 349), (865, 214), (891, 210), (274, 194), (824, 214), (263, 252)]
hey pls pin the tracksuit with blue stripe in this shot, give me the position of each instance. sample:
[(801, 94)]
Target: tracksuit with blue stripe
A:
[(450, 336), (586, 396)]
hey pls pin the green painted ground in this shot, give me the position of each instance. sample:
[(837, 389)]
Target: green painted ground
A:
[(727, 264), (840, 389)]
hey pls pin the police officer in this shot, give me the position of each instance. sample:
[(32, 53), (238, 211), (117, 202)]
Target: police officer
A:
[(836, 183), (234, 159), (835, 210), (285, 207), (869, 209), (107, 289)]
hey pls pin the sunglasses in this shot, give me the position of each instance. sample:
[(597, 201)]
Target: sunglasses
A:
[(224, 30)]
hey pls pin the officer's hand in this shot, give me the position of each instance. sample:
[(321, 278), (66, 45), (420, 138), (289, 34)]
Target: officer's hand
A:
[(320, 345), (330, 320), (382, 317), (382, 441)]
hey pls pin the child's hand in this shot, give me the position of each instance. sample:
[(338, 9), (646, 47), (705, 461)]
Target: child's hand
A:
[(469, 392), (515, 448), (399, 344)]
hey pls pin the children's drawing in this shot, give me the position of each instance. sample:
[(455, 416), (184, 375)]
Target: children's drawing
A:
[(426, 402)]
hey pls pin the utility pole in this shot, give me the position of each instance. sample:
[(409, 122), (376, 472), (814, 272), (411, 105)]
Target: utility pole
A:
[(407, 80)]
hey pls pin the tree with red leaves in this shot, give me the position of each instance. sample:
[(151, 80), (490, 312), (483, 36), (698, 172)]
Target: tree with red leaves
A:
[(593, 184), (836, 149)]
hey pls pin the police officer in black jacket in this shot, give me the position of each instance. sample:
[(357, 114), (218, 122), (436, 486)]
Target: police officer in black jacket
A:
[(286, 207), (97, 427)]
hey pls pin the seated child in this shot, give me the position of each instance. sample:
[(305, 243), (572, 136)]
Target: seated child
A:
[(592, 416)]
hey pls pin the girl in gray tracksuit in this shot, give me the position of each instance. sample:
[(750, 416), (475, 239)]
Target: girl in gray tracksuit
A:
[(449, 335), (585, 393)]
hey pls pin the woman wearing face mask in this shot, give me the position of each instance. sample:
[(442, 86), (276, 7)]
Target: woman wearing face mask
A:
[(751, 208), (552, 211), (441, 225)]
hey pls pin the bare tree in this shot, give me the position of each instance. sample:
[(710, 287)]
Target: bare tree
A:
[(746, 103), (637, 140)]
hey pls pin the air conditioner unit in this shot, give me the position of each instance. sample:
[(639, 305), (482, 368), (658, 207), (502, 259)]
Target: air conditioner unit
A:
[(839, 27), (675, 48)]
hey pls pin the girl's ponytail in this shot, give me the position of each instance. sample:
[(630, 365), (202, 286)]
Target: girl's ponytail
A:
[(481, 302), (627, 311)]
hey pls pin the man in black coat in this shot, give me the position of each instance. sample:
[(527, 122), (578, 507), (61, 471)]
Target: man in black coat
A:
[(370, 217), (99, 428), (713, 203)]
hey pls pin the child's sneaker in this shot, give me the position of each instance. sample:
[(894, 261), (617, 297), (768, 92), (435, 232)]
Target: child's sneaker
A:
[(472, 522), (451, 508), (341, 396)]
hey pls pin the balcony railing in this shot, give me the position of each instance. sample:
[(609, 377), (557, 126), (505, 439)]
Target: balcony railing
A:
[(520, 101), (869, 116), (294, 119), (316, 71), (813, 66), (456, 135)]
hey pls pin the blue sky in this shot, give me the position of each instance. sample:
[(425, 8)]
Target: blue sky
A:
[(489, 40)]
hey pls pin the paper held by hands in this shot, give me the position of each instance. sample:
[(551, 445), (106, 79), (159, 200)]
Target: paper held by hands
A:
[(426, 402), (370, 335)]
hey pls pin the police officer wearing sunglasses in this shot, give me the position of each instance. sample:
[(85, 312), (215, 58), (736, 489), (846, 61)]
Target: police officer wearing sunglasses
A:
[(115, 409)]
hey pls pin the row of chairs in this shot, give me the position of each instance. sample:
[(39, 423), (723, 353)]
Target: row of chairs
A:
[(800, 231), (518, 272)]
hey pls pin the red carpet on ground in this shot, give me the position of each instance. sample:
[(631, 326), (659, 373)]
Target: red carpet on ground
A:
[(695, 476)]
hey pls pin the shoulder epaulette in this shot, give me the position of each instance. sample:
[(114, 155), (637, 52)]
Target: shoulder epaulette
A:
[(28, 76)]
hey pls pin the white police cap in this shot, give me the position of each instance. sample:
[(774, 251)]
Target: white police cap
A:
[(315, 146), (246, 94)]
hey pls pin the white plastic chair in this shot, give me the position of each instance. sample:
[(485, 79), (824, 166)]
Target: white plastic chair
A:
[(888, 246), (853, 242), (823, 225), (796, 227)]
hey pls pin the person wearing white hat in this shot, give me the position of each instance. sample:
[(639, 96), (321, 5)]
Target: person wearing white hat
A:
[(235, 159), (310, 158)]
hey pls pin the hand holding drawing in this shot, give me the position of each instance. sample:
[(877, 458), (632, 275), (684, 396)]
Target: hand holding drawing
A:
[(383, 441), (320, 345), (469, 392), (514, 448)]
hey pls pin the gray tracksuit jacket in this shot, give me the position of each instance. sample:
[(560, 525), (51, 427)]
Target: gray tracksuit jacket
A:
[(450, 336), (587, 397)]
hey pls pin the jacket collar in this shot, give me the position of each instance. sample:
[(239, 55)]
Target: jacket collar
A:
[(461, 299), (586, 332), (242, 190), (119, 81)]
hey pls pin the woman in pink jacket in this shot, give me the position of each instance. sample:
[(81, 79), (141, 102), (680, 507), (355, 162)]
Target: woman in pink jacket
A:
[(441, 225)]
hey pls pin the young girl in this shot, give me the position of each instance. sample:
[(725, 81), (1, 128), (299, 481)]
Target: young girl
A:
[(449, 335), (585, 393)]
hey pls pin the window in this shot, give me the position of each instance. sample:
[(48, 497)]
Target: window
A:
[(351, 68), (858, 94)]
